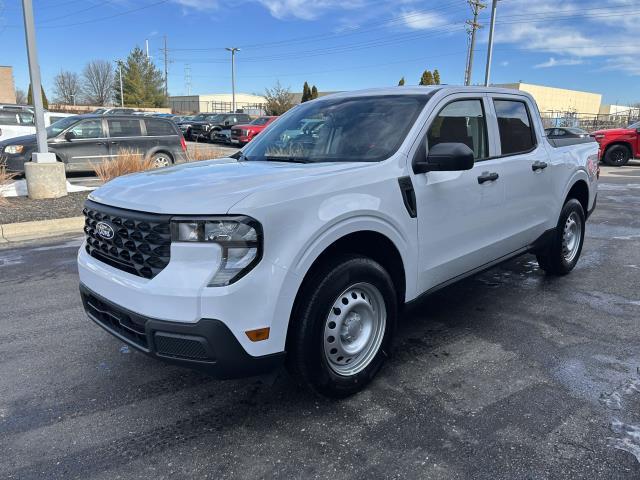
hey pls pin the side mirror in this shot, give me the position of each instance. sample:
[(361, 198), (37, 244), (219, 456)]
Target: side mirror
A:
[(227, 123), (446, 157), (638, 129), (69, 135)]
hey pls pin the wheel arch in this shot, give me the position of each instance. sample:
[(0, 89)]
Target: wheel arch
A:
[(580, 191), (615, 143)]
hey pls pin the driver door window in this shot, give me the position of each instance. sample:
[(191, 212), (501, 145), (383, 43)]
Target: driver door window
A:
[(462, 121)]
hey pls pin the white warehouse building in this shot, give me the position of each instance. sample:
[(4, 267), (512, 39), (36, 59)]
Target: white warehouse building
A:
[(217, 103)]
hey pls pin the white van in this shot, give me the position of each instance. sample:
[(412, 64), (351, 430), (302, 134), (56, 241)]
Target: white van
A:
[(15, 123)]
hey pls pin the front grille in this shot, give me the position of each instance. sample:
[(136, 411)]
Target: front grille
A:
[(141, 242), (129, 326)]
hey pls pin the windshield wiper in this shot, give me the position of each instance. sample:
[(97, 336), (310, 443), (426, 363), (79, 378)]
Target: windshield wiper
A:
[(287, 159)]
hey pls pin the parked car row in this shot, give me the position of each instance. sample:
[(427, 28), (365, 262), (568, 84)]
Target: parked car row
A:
[(15, 122)]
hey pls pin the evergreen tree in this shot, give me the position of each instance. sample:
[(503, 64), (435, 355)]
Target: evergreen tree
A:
[(427, 78), (45, 102), (314, 92), (401, 82), (142, 82), (436, 77), (306, 93)]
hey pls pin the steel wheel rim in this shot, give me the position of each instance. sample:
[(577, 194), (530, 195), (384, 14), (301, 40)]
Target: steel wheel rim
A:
[(571, 236), (354, 329), (161, 161)]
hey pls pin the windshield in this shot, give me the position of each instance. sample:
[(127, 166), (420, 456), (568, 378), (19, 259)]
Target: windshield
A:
[(56, 128), (214, 118), (356, 129), (261, 121), (634, 125)]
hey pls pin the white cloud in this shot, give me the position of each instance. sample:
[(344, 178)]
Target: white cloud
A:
[(417, 20), (573, 31), (200, 5), (504, 63), (306, 9), (552, 62)]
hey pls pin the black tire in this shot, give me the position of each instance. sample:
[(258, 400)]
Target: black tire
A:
[(555, 258), (307, 359), (212, 135), (617, 155)]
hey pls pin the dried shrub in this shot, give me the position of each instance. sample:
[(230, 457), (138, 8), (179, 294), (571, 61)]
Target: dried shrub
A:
[(5, 178), (127, 161), (198, 153)]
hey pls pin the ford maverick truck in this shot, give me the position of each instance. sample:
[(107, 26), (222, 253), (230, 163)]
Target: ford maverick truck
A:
[(302, 249)]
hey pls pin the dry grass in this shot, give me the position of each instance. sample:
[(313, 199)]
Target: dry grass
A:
[(5, 178), (198, 153), (127, 161)]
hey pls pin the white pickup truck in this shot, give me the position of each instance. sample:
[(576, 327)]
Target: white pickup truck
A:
[(302, 249)]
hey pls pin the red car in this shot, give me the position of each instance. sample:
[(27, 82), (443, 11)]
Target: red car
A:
[(619, 145), (243, 134)]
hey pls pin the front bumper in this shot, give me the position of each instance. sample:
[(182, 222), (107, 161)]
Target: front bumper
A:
[(13, 163), (207, 345)]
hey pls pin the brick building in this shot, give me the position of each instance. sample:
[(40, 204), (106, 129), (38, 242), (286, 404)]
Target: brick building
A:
[(7, 88)]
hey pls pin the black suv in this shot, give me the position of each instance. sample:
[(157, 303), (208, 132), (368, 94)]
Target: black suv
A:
[(207, 128), (84, 140)]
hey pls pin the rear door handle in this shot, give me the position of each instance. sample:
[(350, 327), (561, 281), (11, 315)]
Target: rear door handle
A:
[(538, 166), (488, 177)]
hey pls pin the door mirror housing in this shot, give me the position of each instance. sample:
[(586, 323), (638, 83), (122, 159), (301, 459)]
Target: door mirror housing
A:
[(446, 157), (69, 135), (227, 123)]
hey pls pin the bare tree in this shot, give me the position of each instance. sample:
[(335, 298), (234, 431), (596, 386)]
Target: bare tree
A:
[(98, 82), (21, 96), (279, 99), (67, 87)]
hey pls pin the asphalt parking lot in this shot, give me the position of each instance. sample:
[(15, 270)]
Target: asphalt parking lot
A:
[(506, 375)]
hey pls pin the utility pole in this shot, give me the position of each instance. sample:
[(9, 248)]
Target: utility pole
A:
[(487, 71), (166, 68), (187, 78), (146, 45), (44, 175), (472, 27), (233, 51)]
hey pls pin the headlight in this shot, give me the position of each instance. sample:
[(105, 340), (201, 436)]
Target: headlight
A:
[(13, 149), (240, 238)]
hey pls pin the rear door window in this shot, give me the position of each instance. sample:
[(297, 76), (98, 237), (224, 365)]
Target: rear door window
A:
[(515, 127), (126, 127), (158, 127)]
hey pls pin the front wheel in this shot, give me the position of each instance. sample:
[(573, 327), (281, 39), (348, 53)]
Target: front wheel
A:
[(563, 252), (342, 327), (617, 156)]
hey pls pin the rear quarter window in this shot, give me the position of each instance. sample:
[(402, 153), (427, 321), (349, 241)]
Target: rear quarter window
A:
[(159, 127)]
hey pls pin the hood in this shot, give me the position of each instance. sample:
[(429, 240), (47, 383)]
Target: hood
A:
[(211, 187), (613, 131), (21, 140)]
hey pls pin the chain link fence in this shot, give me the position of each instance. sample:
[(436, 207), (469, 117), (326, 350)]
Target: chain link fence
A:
[(590, 121)]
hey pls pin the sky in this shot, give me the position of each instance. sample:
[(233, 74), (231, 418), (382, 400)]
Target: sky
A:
[(336, 44)]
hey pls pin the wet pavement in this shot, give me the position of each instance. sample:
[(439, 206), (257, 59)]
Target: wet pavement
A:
[(506, 375)]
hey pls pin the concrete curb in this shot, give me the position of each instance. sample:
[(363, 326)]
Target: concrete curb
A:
[(18, 232)]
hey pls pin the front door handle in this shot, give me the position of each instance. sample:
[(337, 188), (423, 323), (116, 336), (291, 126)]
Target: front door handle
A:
[(538, 166), (114, 143), (488, 177)]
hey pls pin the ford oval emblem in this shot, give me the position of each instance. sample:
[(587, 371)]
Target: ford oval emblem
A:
[(105, 230)]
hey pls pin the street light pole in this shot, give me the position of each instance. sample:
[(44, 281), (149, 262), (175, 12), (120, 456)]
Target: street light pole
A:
[(233, 51), (487, 72), (44, 175), (34, 73)]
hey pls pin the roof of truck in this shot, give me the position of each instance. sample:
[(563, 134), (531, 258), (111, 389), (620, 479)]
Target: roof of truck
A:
[(424, 90)]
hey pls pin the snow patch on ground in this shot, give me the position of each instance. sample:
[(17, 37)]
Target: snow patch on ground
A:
[(18, 188)]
